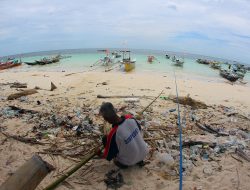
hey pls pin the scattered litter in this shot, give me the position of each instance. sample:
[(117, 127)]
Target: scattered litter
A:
[(114, 179)]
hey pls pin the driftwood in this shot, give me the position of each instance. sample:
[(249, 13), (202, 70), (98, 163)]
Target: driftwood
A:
[(210, 129), (22, 111), (23, 139), (73, 170), (23, 93), (117, 96), (195, 104), (242, 154), (18, 85), (150, 104), (29, 175), (193, 143)]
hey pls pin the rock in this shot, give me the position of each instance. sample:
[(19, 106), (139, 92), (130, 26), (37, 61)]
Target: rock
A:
[(53, 86)]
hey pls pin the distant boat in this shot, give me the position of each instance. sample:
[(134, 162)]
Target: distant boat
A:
[(203, 61), (116, 54), (129, 64), (151, 58), (44, 61), (167, 56), (179, 63), (174, 58)]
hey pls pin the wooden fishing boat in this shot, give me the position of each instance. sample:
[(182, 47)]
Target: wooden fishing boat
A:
[(129, 64), (9, 65), (44, 61), (229, 75)]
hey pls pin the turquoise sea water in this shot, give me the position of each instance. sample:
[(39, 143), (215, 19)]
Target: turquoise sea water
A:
[(83, 60)]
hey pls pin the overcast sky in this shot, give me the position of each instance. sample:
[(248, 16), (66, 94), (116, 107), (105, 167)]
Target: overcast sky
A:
[(219, 28)]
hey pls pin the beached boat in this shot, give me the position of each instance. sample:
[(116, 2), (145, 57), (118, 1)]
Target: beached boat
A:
[(9, 64), (229, 75), (129, 64)]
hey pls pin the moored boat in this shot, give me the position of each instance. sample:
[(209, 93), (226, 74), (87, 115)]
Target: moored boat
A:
[(129, 64), (151, 58), (229, 75)]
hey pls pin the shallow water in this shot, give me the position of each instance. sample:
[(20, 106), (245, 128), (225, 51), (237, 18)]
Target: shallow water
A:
[(84, 60)]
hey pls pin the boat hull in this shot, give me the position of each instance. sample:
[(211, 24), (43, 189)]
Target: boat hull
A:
[(9, 65), (129, 66)]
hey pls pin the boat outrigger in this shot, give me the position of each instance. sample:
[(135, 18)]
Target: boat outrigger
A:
[(127, 62)]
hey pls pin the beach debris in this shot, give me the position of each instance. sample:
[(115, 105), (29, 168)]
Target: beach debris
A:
[(187, 100), (22, 139), (22, 111), (118, 96), (210, 129), (18, 85), (242, 154), (20, 94), (114, 179), (29, 175), (87, 157), (53, 86), (131, 100)]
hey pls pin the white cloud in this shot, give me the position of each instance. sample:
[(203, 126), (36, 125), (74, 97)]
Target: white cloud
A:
[(144, 22)]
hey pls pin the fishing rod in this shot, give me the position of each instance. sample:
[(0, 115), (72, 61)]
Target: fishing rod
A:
[(180, 133)]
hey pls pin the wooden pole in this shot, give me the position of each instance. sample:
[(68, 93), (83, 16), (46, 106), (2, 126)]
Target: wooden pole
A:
[(28, 176), (73, 170), (150, 104)]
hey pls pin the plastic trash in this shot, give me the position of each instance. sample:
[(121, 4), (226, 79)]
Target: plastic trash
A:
[(244, 135), (131, 100), (165, 158)]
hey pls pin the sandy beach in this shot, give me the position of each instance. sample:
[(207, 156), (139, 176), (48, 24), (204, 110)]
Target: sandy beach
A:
[(76, 94)]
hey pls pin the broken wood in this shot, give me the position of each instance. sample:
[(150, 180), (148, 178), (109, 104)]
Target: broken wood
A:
[(73, 170), (23, 93), (22, 111), (18, 85), (22, 139), (101, 96), (53, 86), (150, 104), (209, 129), (242, 154), (29, 175)]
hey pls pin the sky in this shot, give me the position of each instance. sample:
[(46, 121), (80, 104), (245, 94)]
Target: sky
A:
[(219, 28)]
